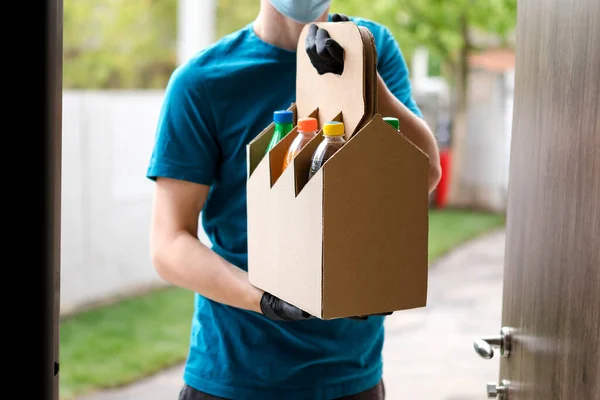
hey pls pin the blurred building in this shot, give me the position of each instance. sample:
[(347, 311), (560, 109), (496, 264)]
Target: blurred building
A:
[(196, 21), (488, 136), (432, 94), (485, 165)]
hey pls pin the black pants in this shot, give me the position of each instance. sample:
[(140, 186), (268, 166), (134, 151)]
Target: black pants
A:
[(377, 392)]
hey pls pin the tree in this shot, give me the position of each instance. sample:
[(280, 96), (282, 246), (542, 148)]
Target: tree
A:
[(451, 31), (119, 43), (235, 14), (131, 44)]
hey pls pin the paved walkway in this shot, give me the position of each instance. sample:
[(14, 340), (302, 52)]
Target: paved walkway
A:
[(428, 353)]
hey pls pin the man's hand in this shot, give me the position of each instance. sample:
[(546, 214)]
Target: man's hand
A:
[(339, 18), (278, 310), (325, 54), (365, 317)]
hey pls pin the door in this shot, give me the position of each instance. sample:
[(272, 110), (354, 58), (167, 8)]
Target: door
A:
[(550, 344)]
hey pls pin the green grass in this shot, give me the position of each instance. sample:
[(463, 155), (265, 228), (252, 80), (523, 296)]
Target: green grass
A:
[(117, 344), (120, 343), (450, 228)]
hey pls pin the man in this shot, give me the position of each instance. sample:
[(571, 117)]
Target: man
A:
[(244, 343)]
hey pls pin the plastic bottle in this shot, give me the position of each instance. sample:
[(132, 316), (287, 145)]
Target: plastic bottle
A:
[(284, 123), (307, 129), (394, 122), (333, 133)]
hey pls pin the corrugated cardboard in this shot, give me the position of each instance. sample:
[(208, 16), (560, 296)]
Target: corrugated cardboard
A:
[(352, 240)]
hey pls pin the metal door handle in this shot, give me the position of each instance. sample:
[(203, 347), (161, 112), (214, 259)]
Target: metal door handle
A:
[(499, 392), (485, 346)]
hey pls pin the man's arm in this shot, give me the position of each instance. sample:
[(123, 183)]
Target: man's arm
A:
[(181, 259), (394, 92), (183, 165), (413, 127)]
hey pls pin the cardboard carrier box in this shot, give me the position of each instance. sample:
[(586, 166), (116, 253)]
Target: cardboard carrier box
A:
[(352, 240)]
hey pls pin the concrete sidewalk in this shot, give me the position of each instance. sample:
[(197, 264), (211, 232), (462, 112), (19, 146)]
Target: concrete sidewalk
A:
[(428, 354)]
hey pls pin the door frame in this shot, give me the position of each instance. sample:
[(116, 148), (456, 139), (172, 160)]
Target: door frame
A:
[(52, 110)]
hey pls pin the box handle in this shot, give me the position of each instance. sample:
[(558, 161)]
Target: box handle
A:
[(353, 92)]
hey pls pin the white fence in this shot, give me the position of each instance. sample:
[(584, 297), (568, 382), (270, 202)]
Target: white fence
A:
[(488, 139), (106, 198)]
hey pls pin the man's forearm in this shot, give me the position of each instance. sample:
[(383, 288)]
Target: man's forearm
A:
[(186, 262), (413, 127)]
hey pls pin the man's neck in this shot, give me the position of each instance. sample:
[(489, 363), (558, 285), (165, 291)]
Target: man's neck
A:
[(273, 28)]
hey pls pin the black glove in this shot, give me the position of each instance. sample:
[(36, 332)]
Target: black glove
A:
[(278, 310), (325, 54), (365, 317), (339, 18)]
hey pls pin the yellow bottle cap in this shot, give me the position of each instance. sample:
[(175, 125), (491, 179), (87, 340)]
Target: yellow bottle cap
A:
[(333, 128)]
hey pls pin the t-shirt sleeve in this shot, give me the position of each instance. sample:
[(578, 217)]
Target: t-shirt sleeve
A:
[(185, 145), (394, 71)]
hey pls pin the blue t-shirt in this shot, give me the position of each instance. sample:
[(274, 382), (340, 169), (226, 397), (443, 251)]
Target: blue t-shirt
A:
[(214, 105)]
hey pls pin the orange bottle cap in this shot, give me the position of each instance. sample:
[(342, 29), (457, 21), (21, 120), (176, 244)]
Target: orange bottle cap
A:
[(308, 124)]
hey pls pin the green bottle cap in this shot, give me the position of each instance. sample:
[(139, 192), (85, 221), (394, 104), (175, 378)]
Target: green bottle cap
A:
[(393, 122)]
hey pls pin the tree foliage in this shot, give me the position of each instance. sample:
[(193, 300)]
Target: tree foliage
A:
[(118, 43), (439, 25), (132, 43), (235, 14)]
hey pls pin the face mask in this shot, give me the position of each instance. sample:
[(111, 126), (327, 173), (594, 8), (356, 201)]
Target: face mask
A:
[(303, 11)]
